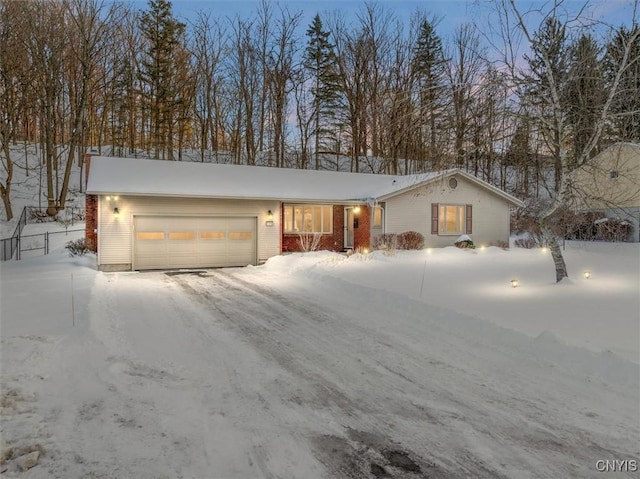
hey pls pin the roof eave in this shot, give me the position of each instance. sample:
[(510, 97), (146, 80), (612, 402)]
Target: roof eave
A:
[(219, 197), (483, 184)]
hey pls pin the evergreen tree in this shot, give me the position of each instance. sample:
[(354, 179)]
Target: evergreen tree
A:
[(429, 71), (320, 61), (163, 34), (585, 93), (626, 105), (545, 82)]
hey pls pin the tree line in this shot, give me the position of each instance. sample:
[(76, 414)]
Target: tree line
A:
[(376, 94)]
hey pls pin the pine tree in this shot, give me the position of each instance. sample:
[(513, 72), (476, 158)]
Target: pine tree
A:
[(429, 70), (163, 34), (320, 61), (626, 105), (547, 64), (584, 94)]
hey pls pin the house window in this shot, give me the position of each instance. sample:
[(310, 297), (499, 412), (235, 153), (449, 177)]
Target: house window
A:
[(308, 219), (150, 235), (451, 219), (182, 235), (240, 235), (214, 235), (378, 216)]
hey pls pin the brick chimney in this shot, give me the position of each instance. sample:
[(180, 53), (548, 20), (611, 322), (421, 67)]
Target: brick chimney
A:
[(91, 208)]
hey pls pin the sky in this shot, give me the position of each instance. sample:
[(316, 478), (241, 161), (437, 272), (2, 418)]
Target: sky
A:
[(452, 13)]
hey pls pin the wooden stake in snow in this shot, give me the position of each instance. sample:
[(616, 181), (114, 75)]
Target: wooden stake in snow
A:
[(73, 310), (424, 272)]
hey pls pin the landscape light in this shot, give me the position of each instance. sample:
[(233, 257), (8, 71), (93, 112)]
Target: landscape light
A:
[(514, 283), (587, 274)]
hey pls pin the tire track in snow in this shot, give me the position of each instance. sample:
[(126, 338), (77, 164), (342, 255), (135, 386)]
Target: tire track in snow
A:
[(370, 382), (294, 334)]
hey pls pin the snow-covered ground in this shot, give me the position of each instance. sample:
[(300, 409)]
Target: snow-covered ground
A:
[(423, 364)]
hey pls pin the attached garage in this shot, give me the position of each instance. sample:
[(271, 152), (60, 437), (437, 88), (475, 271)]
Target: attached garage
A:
[(155, 232), (161, 242)]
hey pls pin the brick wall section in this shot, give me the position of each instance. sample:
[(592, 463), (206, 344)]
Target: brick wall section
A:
[(91, 206), (362, 234), (91, 224), (334, 241)]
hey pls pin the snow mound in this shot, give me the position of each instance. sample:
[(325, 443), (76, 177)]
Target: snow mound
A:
[(288, 263)]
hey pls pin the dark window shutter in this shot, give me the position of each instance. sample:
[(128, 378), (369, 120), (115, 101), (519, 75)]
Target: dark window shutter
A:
[(469, 217), (434, 218)]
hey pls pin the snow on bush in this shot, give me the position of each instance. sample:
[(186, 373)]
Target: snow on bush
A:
[(464, 241), (612, 229)]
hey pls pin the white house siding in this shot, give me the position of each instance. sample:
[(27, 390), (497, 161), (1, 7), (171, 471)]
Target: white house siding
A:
[(115, 234), (412, 211)]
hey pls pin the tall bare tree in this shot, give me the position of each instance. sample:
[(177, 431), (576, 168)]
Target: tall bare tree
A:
[(88, 32), (465, 71), (207, 46), (546, 42), (12, 95)]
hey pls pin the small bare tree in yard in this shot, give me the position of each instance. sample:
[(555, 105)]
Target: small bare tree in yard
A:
[(309, 241), (548, 82)]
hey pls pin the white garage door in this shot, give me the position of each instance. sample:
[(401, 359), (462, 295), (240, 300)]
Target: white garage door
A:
[(162, 242)]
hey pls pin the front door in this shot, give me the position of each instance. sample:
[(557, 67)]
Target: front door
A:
[(348, 227)]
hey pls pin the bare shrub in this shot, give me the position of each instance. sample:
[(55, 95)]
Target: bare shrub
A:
[(527, 242), (612, 229), (78, 247), (410, 240), (309, 241), (565, 223), (386, 242)]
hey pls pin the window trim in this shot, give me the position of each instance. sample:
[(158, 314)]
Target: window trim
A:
[(314, 211), (437, 219)]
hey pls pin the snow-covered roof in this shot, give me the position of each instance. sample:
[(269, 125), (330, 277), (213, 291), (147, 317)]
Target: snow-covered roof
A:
[(129, 176)]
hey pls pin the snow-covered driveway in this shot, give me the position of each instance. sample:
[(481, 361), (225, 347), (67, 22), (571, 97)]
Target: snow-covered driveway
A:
[(242, 373)]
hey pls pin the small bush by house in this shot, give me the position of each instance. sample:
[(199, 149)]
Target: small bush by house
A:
[(78, 247), (386, 242), (612, 229), (463, 242), (410, 240)]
